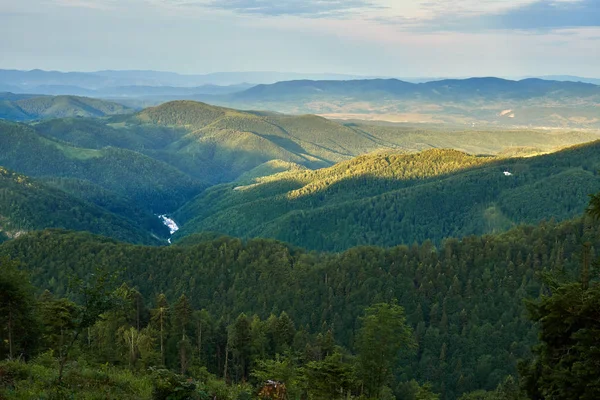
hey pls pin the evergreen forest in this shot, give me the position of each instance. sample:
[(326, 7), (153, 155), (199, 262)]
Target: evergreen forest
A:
[(189, 251)]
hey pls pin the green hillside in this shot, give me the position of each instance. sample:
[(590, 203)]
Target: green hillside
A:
[(10, 111), (108, 200), (217, 145), (42, 107), (240, 141), (388, 198), (463, 300), (27, 204), (267, 169), (206, 142), (150, 183), (161, 158), (473, 140)]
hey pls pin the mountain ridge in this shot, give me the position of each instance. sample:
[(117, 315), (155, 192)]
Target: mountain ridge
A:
[(28, 108), (397, 87), (456, 195)]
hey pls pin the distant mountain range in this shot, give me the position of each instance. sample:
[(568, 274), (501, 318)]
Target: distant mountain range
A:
[(488, 101), (155, 83), (105, 82), (131, 91), (570, 78), (470, 90)]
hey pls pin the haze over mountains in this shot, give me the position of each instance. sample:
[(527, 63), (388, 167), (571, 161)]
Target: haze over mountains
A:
[(530, 102), (102, 82), (117, 82), (488, 101)]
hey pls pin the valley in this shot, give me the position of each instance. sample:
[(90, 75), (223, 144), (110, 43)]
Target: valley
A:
[(207, 167), (272, 235)]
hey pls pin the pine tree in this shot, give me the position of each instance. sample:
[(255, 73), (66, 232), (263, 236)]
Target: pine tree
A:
[(160, 318), (383, 333)]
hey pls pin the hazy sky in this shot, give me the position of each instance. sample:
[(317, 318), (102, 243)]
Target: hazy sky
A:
[(368, 37)]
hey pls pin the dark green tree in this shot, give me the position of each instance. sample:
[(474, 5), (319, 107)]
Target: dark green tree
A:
[(567, 360), (160, 319), (95, 297), (240, 343), (18, 325), (57, 317)]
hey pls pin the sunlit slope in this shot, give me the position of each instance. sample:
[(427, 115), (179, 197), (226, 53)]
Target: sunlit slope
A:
[(217, 145), (307, 139), (388, 199)]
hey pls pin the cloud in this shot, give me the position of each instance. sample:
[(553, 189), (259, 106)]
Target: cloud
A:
[(550, 15), (538, 15), (484, 15), (302, 8), (90, 4)]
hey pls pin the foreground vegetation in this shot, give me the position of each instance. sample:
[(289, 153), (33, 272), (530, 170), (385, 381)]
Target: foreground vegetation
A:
[(224, 312)]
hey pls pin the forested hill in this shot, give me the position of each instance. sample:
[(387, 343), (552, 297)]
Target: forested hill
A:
[(150, 183), (27, 204), (216, 145), (387, 198), (161, 160), (464, 300), (309, 140), (27, 107)]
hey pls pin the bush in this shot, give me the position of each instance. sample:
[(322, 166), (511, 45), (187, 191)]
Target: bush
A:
[(169, 386)]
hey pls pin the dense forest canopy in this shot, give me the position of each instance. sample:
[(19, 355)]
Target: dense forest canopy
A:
[(27, 204), (388, 198), (463, 301)]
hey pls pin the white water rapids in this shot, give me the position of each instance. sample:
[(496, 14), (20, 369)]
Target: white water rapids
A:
[(169, 223)]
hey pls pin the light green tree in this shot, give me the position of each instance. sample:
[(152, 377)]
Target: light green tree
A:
[(383, 333)]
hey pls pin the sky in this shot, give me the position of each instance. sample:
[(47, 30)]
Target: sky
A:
[(400, 38)]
